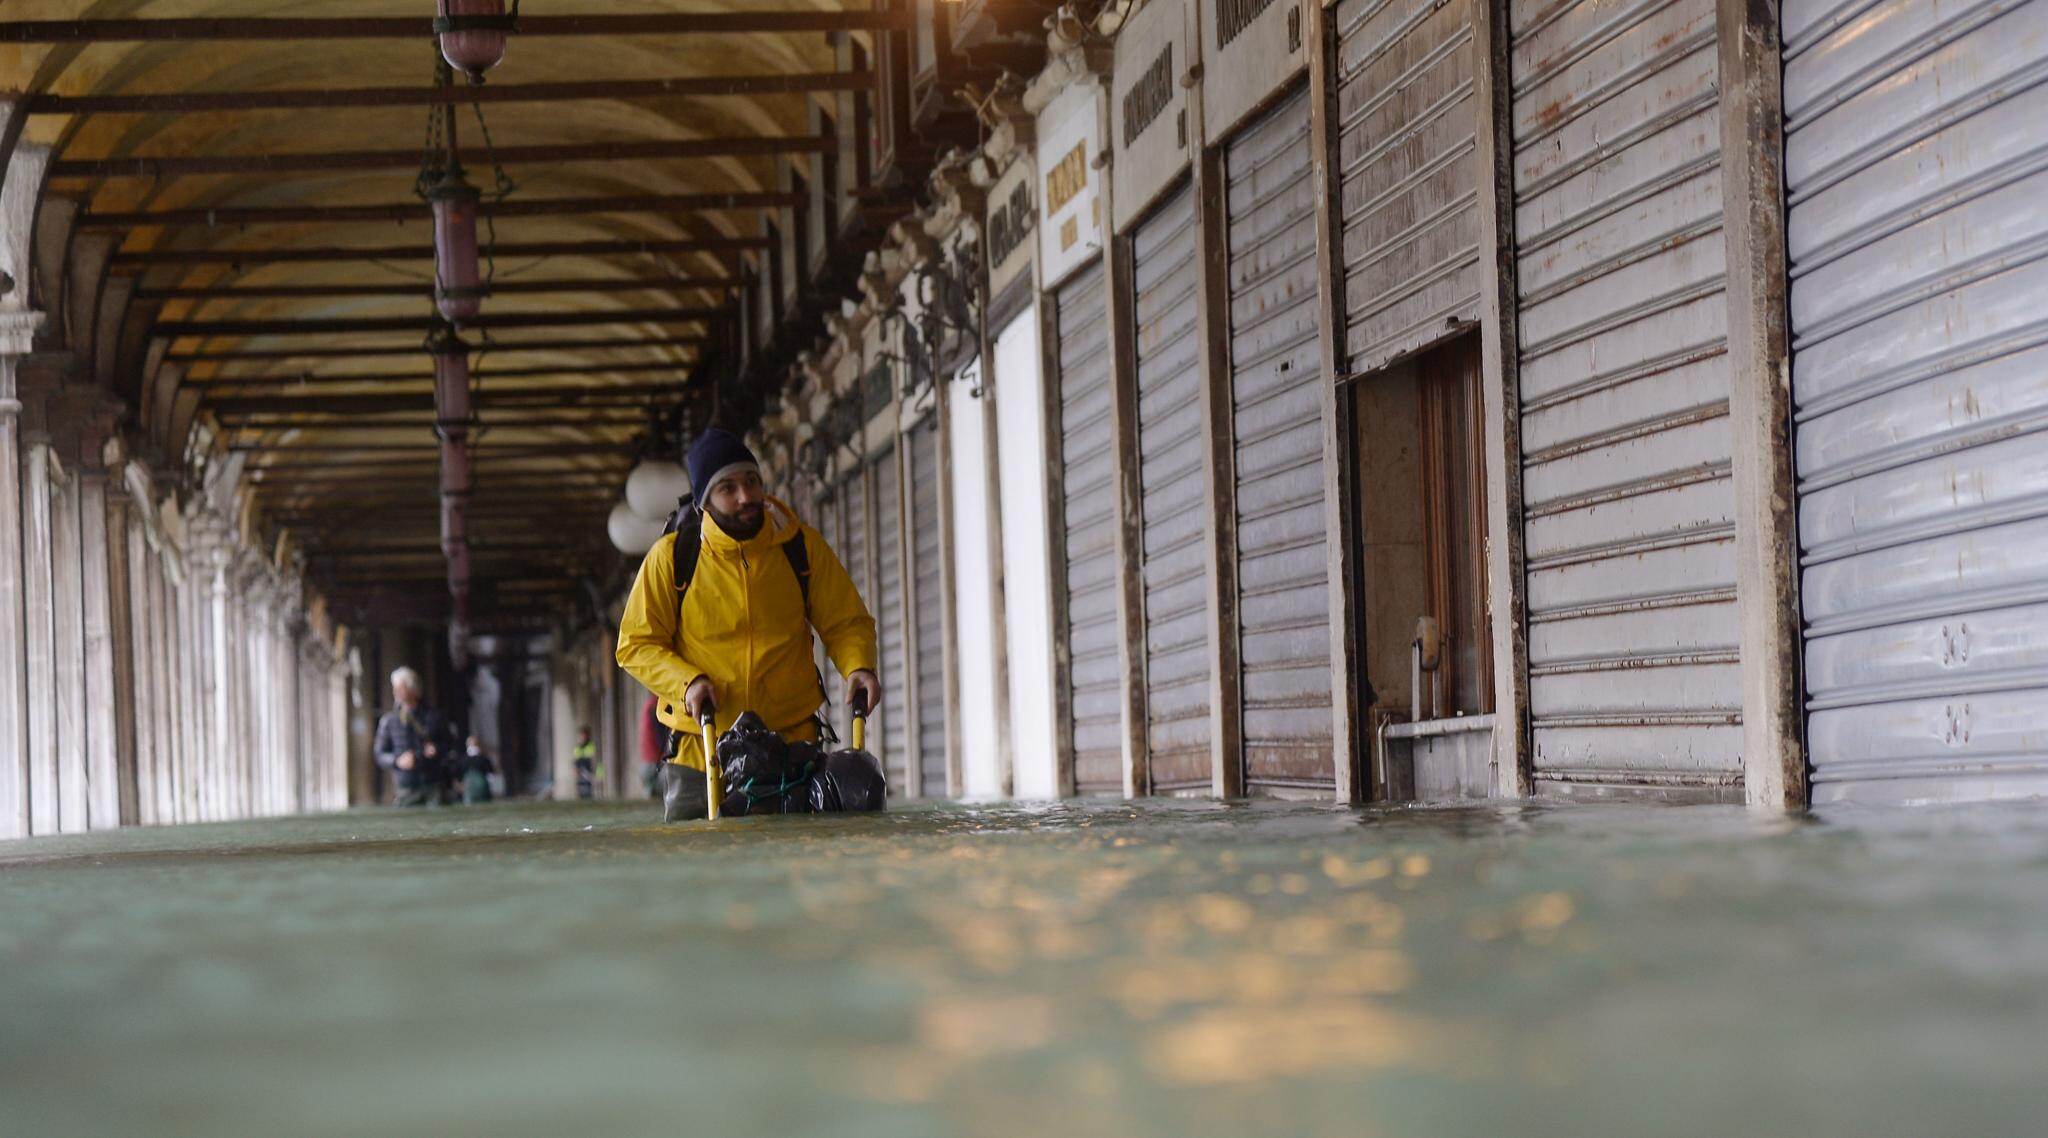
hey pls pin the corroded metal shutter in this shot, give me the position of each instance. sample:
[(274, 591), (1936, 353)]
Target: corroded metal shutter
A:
[(894, 724), (1174, 506), (928, 607), (1088, 525), (1629, 514), (1916, 174), (1276, 395), (1410, 203)]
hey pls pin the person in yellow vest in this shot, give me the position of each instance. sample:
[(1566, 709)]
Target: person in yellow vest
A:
[(588, 769), (722, 614)]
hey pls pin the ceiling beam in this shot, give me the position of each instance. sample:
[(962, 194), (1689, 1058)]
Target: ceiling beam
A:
[(345, 325), (204, 29), (426, 424), (426, 252), (483, 375), (740, 146), (412, 349), (418, 506), (364, 490), (378, 402), (433, 447), (425, 455), (691, 86), (236, 217), (498, 288)]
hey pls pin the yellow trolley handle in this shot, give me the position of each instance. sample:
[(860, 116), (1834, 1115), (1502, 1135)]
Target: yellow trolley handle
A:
[(712, 791), (860, 720)]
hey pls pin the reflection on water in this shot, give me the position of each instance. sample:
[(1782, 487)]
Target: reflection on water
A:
[(1070, 969)]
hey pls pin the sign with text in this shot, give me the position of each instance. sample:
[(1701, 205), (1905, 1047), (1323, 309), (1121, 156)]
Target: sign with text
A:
[(1011, 223), (1148, 107), (1070, 184), (1250, 50)]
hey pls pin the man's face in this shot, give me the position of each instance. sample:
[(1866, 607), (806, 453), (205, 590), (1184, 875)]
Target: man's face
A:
[(739, 504), (404, 693)]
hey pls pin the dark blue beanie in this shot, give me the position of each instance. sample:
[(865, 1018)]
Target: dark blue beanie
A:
[(710, 457)]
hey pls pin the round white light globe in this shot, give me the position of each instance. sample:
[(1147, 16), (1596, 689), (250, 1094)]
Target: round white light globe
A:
[(630, 531), (654, 486)]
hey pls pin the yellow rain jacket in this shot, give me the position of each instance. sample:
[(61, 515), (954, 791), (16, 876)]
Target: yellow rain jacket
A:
[(743, 626)]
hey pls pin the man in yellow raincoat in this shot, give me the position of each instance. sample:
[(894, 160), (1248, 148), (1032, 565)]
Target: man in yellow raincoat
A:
[(737, 634)]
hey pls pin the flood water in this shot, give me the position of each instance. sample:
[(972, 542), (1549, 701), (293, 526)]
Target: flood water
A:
[(1061, 970)]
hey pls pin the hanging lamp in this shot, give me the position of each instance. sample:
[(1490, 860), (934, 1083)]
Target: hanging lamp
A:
[(473, 33), (459, 290)]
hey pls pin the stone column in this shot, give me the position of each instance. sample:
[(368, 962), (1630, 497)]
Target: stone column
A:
[(209, 618), (220, 620), (67, 580), (128, 523), (39, 635), (105, 705), (17, 328)]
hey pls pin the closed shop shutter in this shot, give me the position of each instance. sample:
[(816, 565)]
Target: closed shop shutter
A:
[(1629, 514), (1410, 203), (928, 606), (827, 523), (1276, 396), (1094, 675), (1171, 479), (1916, 174), (854, 532), (894, 725)]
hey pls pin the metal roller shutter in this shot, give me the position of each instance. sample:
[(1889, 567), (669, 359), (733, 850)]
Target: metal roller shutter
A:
[(1094, 675), (853, 552), (1916, 175), (1410, 204), (1629, 513), (1174, 504), (928, 605), (1276, 396), (894, 724), (826, 522)]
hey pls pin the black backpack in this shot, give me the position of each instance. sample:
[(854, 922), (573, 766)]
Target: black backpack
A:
[(687, 523)]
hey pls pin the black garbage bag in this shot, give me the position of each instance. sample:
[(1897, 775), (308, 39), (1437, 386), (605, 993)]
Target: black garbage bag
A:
[(761, 773), (848, 781)]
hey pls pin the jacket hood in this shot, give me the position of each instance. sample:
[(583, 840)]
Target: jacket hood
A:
[(780, 526)]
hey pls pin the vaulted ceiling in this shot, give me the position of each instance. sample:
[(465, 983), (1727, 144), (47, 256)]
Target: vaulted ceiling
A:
[(258, 179)]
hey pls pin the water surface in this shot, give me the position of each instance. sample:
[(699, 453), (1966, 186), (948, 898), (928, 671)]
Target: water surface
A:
[(1069, 970)]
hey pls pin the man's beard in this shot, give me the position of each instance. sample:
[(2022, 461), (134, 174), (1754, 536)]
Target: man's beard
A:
[(743, 525)]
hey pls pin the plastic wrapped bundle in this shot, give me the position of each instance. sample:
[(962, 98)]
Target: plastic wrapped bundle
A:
[(849, 781), (764, 774)]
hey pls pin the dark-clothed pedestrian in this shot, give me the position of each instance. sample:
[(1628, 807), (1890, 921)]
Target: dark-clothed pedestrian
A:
[(413, 742), (477, 769)]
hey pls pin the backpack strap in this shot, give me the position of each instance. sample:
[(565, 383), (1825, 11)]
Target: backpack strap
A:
[(799, 555), (689, 544)]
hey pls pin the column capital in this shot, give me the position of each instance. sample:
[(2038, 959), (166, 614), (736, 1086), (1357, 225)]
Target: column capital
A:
[(18, 328), (91, 426)]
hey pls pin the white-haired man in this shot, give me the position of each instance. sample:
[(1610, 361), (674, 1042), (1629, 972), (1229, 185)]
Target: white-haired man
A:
[(412, 742)]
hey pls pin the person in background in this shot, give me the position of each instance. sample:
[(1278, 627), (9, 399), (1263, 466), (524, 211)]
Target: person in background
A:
[(653, 746), (412, 741), (587, 766), (477, 769)]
